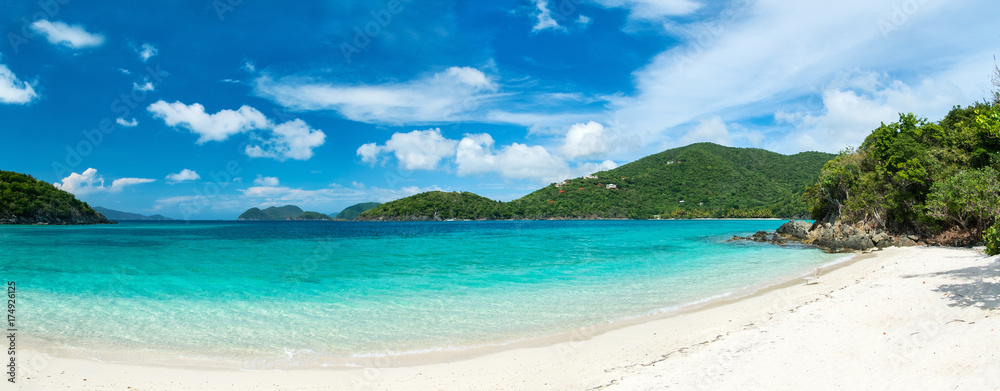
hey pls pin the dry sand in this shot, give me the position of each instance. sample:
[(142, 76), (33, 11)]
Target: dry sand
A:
[(913, 319)]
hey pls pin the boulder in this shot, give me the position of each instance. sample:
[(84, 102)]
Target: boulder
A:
[(795, 229)]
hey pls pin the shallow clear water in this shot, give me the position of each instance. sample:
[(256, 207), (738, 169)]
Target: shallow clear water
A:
[(290, 294)]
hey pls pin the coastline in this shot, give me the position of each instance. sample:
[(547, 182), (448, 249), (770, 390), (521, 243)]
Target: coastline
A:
[(866, 313)]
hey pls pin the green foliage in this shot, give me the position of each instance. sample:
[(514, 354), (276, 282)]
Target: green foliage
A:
[(970, 198), (913, 175), (992, 239), (286, 212), (26, 199), (352, 212), (313, 216), (697, 181), (438, 205)]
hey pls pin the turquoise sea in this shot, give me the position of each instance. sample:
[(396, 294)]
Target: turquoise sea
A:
[(262, 295)]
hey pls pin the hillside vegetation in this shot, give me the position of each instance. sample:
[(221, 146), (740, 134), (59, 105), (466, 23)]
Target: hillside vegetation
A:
[(26, 200), (699, 180), (287, 212), (438, 205), (352, 212), (913, 176)]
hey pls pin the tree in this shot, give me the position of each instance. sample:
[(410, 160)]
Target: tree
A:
[(996, 83)]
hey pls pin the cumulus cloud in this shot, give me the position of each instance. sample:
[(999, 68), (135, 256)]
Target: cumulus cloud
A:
[(129, 123), (71, 36), (444, 96), (209, 127), (266, 181), (290, 140), (476, 154), (13, 90), (294, 139), (416, 150), (184, 175), (585, 140), (90, 182)]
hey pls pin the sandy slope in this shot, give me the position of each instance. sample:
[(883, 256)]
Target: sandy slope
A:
[(915, 318)]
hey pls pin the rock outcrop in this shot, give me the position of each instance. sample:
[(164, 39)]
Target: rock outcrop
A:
[(835, 237)]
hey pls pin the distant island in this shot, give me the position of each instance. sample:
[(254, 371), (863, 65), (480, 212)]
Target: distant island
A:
[(26, 200), (287, 212), (352, 212), (702, 180), (126, 216)]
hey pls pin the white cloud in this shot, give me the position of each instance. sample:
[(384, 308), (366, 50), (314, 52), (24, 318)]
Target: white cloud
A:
[(416, 150), (119, 184), (369, 152), (653, 9), (146, 51), (711, 130), (544, 20), (91, 182), (290, 140), (766, 56), (294, 139), (856, 104), (147, 86), (80, 184), (445, 96), (209, 127), (475, 154), (585, 140), (266, 181), (13, 90), (124, 71), (184, 175), (71, 36), (128, 124)]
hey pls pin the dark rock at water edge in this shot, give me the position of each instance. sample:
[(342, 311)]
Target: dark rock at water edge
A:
[(835, 237)]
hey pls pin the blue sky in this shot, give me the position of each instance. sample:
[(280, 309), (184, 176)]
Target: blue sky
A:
[(202, 109)]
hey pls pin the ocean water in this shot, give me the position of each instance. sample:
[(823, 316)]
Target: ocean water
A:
[(264, 295)]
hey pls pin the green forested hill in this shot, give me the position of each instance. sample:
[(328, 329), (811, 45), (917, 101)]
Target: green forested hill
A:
[(287, 212), (699, 180), (26, 200), (352, 212), (437, 205)]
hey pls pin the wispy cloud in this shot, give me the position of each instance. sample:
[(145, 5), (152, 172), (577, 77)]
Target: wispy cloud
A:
[(444, 96)]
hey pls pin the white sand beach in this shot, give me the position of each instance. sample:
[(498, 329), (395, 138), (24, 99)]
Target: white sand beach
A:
[(913, 318)]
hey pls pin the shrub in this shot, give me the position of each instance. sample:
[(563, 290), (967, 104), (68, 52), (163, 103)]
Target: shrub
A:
[(992, 239)]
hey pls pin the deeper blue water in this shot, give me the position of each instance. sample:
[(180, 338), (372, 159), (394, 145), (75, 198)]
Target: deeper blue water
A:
[(295, 294)]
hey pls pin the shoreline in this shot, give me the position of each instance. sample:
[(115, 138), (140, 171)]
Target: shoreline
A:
[(446, 353), (888, 304)]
